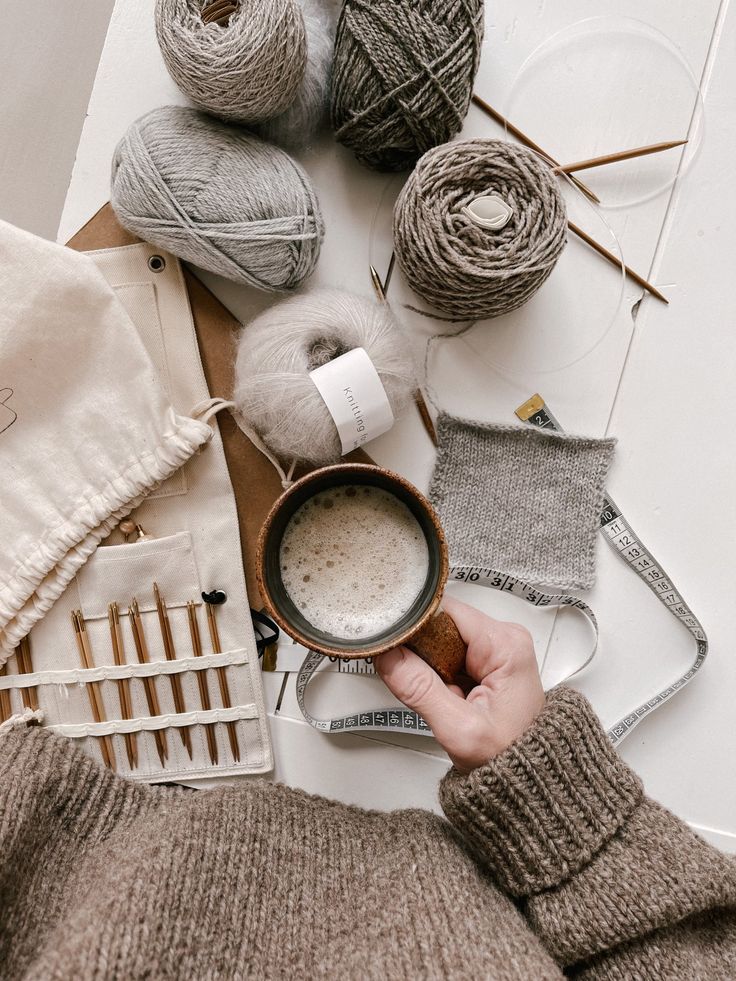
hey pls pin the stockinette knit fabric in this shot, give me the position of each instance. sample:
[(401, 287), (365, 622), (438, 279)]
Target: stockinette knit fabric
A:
[(552, 861), (521, 500)]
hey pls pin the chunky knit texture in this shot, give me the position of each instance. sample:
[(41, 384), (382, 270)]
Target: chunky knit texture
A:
[(467, 271), (217, 196), (245, 68), (521, 500), (403, 75), (555, 863)]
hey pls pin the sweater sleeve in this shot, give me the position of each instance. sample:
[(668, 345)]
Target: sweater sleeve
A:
[(612, 883)]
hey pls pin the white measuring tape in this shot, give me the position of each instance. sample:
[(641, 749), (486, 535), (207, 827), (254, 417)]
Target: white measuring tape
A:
[(622, 539)]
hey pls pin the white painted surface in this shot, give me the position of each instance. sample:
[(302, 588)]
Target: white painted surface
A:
[(661, 382)]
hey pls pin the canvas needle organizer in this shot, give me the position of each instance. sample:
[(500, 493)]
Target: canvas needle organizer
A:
[(147, 656)]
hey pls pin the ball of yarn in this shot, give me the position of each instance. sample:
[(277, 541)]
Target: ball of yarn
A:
[(217, 196), (403, 76), (244, 68), (467, 271), (273, 392), (297, 126)]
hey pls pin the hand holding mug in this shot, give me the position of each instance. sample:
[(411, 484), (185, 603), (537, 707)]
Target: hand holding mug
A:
[(480, 717)]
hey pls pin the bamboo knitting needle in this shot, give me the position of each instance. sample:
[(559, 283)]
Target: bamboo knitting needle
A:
[(204, 694), (418, 397), (609, 158), (614, 260), (25, 666), (6, 707), (126, 707), (232, 732), (523, 138), (170, 652), (93, 693), (141, 649)]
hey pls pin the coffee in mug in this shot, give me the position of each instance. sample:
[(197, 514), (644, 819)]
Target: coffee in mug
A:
[(352, 561)]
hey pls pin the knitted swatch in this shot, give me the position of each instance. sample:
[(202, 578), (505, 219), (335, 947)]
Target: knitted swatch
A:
[(521, 500)]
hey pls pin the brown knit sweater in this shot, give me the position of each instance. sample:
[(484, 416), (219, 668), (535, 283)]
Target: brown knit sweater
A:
[(551, 861)]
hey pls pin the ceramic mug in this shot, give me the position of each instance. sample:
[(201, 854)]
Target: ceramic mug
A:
[(425, 627)]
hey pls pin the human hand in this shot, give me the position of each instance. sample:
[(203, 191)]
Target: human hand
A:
[(478, 718)]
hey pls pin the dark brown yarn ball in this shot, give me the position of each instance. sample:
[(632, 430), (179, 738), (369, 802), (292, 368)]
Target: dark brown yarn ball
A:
[(403, 76)]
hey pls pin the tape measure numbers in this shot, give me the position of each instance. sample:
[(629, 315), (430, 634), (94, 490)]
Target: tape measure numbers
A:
[(629, 547)]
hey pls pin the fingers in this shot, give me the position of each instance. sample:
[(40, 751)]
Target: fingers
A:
[(415, 684), (492, 644)]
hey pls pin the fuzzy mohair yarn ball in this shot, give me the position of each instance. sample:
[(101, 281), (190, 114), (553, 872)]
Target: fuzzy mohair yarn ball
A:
[(467, 271), (403, 76), (219, 197), (273, 392), (298, 125), (244, 69)]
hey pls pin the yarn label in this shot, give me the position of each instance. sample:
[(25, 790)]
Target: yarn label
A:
[(354, 394)]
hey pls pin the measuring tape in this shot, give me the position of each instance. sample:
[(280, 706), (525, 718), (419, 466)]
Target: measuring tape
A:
[(628, 546), (623, 540)]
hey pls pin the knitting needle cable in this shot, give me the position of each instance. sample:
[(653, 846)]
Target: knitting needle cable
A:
[(603, 252), (170, 652), (95, 698), (523, 138), (204, 695), (149, 686), (222, 679), (126, 707)]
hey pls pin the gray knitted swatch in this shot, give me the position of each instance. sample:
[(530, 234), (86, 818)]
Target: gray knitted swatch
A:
[(521, 500)]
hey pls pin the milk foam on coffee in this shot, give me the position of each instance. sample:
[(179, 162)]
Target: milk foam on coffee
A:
[(353, 560)]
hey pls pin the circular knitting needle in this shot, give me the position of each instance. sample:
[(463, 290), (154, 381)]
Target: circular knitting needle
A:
[(93, 693), (141, 650), (421, 405), (170, 652), (523, 138), (204, 694), (609, 158), (232, 731), (126, 707)]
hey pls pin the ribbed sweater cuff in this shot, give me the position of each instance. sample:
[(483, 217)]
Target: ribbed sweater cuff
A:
[(540, 811)]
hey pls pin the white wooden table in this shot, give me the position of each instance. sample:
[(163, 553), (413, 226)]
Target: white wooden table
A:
[(661, 379)]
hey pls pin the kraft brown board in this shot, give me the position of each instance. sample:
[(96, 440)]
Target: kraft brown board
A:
[(255, 482)]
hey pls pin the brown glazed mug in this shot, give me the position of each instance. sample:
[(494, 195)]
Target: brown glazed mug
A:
[(425, 627)]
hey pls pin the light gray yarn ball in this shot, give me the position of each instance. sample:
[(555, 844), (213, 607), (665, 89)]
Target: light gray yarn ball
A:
[(245, 70), (297, 126), (273, 391), (466, 271), (219, 197)]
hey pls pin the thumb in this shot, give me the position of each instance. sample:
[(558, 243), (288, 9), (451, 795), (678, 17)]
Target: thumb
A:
[(415, 684)]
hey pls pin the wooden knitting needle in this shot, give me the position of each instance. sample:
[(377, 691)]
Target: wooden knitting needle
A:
[(609, 158), (418, 397), (93, 693), (614, 260), (141, 649), (204, 694), (170, 652), (6, 706), (126, 707), (232, 731), (25, 666), (523, 138)]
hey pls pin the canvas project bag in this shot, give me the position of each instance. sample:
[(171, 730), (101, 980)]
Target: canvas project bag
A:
[(191, 546)]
